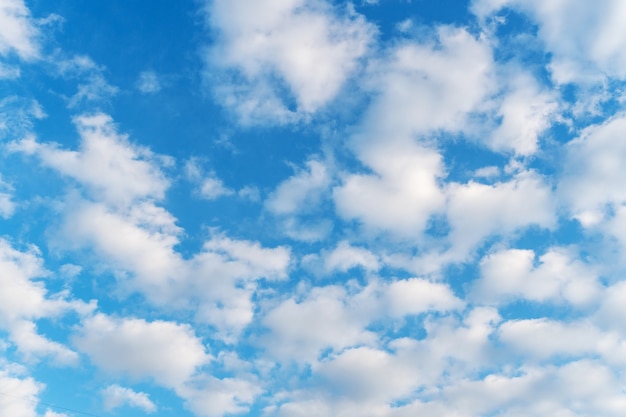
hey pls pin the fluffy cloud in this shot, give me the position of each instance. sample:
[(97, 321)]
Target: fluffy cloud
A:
[(307, 49), (477, 210), (300, 330), (556, 276), (525, 110), (332, 318), (23, 396), (421, 88), (110, 167), (593, 167), (168, 352), (115, 396), (586, 40), (543, 338), (24, 300), (402, 194), (18, 33)]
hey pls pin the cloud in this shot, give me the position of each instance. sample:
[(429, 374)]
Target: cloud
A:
[(18, 31), (557, 276), (586, 40), (525, 110), (590, 184), (168, 352), (476, 211), (108, 165), (212, 397), (301, 191), (300, 330), (281, 51), (419, 90), (23, 397), (148, 82), (115, 396), (400, 196), (345, 257), (24, 300)]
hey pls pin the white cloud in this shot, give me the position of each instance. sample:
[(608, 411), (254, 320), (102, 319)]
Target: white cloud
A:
[(419, 88), (544, 338), (368, 375), (345, 257), (106, 163), (428, 85), (212, 397), (300, 330), (556, 276), (415, 296), (300, 192), (477, 210), (115, 396), (168, 352), (305, 48), (593, 169), (210, 187), (95, 89), (18, 33), (333, 318), (525, 111), (400, 196), (24, 300), (23, 398), (148, 82), (586, 40)]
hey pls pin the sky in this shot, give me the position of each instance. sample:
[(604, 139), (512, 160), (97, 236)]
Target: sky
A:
[(320, 208)]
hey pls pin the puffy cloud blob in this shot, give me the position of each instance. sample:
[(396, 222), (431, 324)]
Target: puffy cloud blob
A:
[(586, 40), (594, 164), (369, 375), (211, 397), (525, 111), (115, 396), (301, 191), (167, 352), (415, 296), (300, 330), (541, 391), (402, 193), (420, 89), (109, 166), (297, 200), (331, 318), (305, 48), (345, 257), (556, 276), (23, 398), (429, 86), (18, 33), (544, 338), (477, 210), (24, 300)]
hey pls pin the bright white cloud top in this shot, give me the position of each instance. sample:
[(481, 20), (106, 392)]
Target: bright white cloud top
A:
[(284, 208)]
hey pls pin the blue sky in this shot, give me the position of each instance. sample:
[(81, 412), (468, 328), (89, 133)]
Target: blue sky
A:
[(289, 208)]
